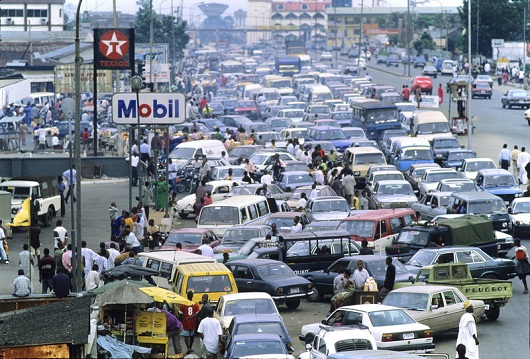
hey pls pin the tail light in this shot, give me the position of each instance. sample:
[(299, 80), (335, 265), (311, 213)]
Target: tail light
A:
[(427, 333), (386, 337)]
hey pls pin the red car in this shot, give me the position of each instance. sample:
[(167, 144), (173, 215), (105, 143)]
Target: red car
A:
[(190, 238), (247, 108), (424, 83), (481, 89)]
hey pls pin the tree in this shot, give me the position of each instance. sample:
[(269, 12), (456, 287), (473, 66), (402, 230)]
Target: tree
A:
[(164, 29), (424, 43), (499, 19)]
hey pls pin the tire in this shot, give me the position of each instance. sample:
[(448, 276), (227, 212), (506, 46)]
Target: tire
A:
[(473, 97), (180, 187), (316, 296), (292, 303), (490, 276), (183, 215), (47, 218), (529, 123), (493, 313), (489, 97), (309, 339), (397, 249), (503, 105)]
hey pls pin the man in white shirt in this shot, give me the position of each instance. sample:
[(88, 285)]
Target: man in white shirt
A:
[(60, 234), (145, 151), (172, 177), (113, 253), (297, 226), (319, 175), (205, 248), (3, 254), (210, 332), (302, 202), (89, 255), (249, 167), (42, 137), (314, 191), (266, 178), (290, 147), (132, 241), (71, 183), (360, 275), (522, 160), (92, 278), (135, 160)]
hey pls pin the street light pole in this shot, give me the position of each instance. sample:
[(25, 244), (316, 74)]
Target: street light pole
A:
[(360, 37), (136, 86), (469, 84), (336, 31)]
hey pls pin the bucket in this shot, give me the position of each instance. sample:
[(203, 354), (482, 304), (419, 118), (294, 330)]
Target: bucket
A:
[(519, 254)]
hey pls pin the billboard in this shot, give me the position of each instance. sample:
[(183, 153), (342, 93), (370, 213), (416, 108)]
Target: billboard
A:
[(114, 49), (65, 76), (154, 108), (163, 75), (160, 52)]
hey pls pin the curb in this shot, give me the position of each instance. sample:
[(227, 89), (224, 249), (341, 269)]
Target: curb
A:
[(105, 181)]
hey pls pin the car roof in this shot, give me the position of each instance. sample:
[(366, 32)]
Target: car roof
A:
[(327, 198), (256, 337), (392, 182), (250, 226), (246, 295), (423, 165), (373, 354), (257, 318), (296, 173), (494, 171), (445, 249), (368, 308), (423, 288), (255, 261), (191, 230)]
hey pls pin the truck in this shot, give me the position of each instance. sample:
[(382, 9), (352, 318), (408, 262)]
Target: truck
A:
[(495, 293), (308, 251), (45, 189), (295, 47), (287, 65), (462, 231)]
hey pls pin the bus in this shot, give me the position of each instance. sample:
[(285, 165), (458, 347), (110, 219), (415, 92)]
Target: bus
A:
[(374, 117), (229, 68)]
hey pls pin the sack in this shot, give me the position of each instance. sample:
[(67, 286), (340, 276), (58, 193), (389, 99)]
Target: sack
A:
[(522, 267)]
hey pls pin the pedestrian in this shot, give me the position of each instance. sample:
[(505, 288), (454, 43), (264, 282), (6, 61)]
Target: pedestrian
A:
[(250, 168), (246, 178), (172, 178), (58, 256), (337, 281), (405, 93), (266, 178), (417, 96), (189, 322), (520, 255), (344, 289), (113, 216), (522, 161), (360, 275), (210, 332), (264, 191), (364, 201), (145, 152), (318, 175), (135, 160), (3, 239), (61, 283), (22, 285), (365, 249), (504, 157), (461, 351), (90, 257), (173, 330), (132, 241), (34, 241), (25, 261), (113, 254), (205, 248), (302, 202), (467, 332), (23, 132), (71, 181), (440, 94), (514, 154), (356, 201), (60, 233), (46, 271), (153, 231), (61, 187), (314, 191), (92, 278), (297, 226), (103, 261), (67, 259), (390, 278), (348, 185)]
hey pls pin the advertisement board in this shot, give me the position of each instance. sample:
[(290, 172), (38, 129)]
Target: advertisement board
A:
[(154, 108), (65, 75)]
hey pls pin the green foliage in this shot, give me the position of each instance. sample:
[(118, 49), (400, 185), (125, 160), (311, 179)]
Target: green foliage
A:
[(162, 30), (424, 43), (393, 39)]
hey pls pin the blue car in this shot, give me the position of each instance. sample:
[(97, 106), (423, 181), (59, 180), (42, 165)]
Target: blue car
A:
[(332, 134), (455, 158), (292, 179), (260, 324), (248, 345), (500, 183)]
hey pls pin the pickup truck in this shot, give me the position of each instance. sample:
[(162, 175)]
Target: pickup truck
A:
[(463, 231), (308, 251), (495, 293), (45, 188)]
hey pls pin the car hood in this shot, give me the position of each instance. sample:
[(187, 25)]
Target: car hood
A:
[(285, 281), (429, 186), (330, 216), (503, 190), (397, 198), (186, 202), (342, 144), (523, 218)]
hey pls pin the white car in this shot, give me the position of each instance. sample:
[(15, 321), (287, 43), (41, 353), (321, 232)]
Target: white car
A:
[(471, 166), (330, 340), (230, 305), (219, 190), (265, 160), (430, 178), (326, 55), (519, 211), (391, 327)]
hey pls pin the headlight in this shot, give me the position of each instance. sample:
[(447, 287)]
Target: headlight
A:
[(505, 224), (357, 173), (518, 194), (279, 291), (439, 156)]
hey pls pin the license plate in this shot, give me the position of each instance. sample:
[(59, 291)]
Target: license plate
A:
[(408, 336), (295, 290)]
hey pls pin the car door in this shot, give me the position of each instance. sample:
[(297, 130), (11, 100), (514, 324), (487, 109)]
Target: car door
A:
[(438, 312), (427, 212), (454, 309), (244, 278), (476, 263), (318, 345), (277, 193)]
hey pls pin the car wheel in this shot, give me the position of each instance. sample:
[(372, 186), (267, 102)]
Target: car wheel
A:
[(473, 97), (503, 105), (292, 303), (490, 276), (309, 339), (529, 123), (435, 76), (183, 215), (316, 296), (493, 313), (489, 97), (509, 106), (47, 218)]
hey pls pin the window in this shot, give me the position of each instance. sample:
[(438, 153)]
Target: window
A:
[(153, 264), (243, 213), (468, 257), (437, 300), (262, 208), (280, 7), (322, 346), (451, 298), (304, 7), (395, 224), (12, 13), (381, 230), (252, 211), (37, 13), (165, 270)]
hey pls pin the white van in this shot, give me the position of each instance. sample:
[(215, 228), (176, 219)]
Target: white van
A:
[(188, 150), (166, 263), (319, 94), (38, 98), (233, 211), (250, 90), (430, 124)]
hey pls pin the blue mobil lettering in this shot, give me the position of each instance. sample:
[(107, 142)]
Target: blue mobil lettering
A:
[(127, 109)]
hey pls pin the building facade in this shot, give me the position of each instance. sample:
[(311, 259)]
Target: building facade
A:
[(34, 15)]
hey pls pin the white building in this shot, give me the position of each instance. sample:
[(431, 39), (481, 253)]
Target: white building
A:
[(258, 18), (39, 15)]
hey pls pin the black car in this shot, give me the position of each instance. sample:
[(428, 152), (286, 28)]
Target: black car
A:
[(456, 157), (382, 59), (375, 265), (419, 61), (272, 277), (414, 173), (440, 146), (393, 60)]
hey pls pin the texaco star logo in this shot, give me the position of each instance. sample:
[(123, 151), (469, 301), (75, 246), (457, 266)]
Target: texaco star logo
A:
[(114, 44)]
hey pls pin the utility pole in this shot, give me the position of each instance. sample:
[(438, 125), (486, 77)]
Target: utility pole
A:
[(150, 46)]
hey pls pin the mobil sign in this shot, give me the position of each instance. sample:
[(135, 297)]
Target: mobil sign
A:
[(152, 109)]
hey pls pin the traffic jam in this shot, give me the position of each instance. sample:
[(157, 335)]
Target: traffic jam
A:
[(312, 183)]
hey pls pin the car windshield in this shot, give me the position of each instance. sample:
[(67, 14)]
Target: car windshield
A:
[(449, 143), (395, 189), (521, 207), (239, 235), (269, 96), (240, 190), (209, 283), (499, 181), (282, 223), (242, 151), (421, 258), (245, 104), (298, 192), (393, 317), (436, 127), (387, 176), (416, 154), (182, 153), (369, 158), (343, 116), (278, 84), (457, 187), (294, 179), (211, 124), (407, 108), (420, 238), (459, 156), (418, 171), (377, 268), (485, 207), (259, 327), (248, 247), (259, 127), (17, 192), (280, 123), (296, 133), (259, 159), (271, 136), (330, 206), (414, 301), (438, 176), (184, 238), (382, 116), (476, 166), (275, 270), (219, 215), (364, 229), (249, 348), (221, 173)]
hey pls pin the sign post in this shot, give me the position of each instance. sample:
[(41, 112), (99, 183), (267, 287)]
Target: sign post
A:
[(152, 108)]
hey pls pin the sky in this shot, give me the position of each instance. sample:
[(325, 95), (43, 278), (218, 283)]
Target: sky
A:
[(164, 6)]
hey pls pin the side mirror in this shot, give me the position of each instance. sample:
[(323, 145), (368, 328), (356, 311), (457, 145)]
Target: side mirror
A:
[(411, 279), (323, 321), (510, 210)]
